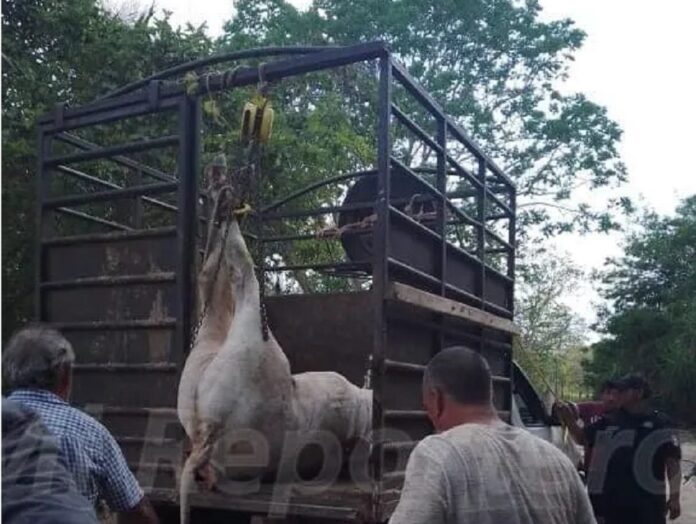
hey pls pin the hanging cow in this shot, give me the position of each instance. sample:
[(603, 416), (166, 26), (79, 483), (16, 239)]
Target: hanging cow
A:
[(235, 380)]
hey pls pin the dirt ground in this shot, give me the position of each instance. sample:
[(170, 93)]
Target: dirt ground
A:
[(688, 497)]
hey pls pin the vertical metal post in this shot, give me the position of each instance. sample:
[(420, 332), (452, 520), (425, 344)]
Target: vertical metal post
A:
[(441, 183), (481, 237), (512, 239), (42, 226), (138, 212), (481, 242), (380, 266), (512, 233), (441, 219), (189, 152)]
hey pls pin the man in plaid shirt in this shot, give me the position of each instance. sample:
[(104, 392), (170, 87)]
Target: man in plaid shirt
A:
[(37, 368)]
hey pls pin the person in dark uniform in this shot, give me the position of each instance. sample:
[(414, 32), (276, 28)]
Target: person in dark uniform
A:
[(634, 449)]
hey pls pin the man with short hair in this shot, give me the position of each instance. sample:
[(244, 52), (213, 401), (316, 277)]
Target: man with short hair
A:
[(634, 449), (477, 468), (37, 368)]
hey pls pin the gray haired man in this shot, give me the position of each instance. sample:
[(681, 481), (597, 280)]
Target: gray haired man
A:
[(37, 369), (477, 468)]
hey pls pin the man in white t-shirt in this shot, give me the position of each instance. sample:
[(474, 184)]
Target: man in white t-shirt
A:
[(477, 469)]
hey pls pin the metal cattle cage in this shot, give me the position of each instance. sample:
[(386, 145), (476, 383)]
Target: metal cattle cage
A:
[(117, 275)]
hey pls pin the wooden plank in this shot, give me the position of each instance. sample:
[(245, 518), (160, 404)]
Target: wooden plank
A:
[(419, 298)]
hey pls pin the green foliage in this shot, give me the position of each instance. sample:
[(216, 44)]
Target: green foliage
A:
[(493, 64), (552, 344), (652, 326)]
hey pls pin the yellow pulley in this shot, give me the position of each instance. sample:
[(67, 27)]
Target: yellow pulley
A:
[(257, 120)]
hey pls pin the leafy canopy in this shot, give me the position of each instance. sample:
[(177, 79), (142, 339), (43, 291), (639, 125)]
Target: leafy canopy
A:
[(652, 326), (494, 65)]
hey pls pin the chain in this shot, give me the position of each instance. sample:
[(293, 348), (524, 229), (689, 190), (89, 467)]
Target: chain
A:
[(254, 182), (253, 168), (259, 255), (211, 286)]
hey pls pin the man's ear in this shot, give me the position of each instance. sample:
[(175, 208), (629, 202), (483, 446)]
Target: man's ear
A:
[(65, 383), (439, 402)]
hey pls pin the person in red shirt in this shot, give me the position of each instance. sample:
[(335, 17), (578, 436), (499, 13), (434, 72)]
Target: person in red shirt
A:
[(583, 414), (590, 412)]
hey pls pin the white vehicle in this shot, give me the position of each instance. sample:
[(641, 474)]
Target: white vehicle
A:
[(531, 412)]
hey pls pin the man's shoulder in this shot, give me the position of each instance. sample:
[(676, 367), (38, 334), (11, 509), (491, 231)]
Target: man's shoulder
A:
[(436, 446), (472, 435), (543, 449), (73, 421), (88, 422)]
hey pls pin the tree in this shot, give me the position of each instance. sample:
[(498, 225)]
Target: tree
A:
[(553, 339), (494, 65), (651, 325)]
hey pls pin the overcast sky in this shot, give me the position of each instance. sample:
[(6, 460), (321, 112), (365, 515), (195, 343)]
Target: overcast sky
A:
[(638, 61)]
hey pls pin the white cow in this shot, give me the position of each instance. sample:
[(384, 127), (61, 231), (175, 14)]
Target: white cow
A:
[(235, 380)]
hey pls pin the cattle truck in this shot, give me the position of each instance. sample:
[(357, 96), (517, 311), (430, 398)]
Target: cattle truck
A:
[(422, 246)]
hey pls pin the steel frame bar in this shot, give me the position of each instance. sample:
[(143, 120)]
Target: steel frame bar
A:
[(81, 143), (348, 266), (89, 198), (476, 181), (482, 230), (436, 193), (458, 292), (110, 151), (107, 281), (138, 102), (380, 263), (216, 59), (105, 183), (114, 325), (441, 221), (111, 237), (92, 219), (189, 158), (44, 149), (94, 114), (415, 129), (405, 79)]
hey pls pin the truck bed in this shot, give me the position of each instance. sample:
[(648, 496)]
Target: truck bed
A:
[(343, 501)]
